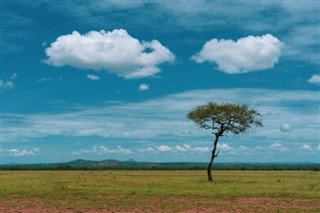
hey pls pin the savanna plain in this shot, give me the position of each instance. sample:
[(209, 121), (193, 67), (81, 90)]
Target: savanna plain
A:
[(159, 191)]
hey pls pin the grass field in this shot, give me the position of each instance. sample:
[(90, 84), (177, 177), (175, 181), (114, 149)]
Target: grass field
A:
[(159, 191)]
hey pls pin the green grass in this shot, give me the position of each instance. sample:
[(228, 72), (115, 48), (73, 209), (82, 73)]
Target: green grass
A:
[(171, 190)]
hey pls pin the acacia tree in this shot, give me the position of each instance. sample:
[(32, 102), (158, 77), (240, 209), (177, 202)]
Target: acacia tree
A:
[(222, 119)]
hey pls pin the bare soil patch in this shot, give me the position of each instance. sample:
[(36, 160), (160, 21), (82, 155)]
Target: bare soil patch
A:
[(139, 203)]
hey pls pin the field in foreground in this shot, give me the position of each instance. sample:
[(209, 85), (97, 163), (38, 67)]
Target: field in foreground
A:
[(159, 191)]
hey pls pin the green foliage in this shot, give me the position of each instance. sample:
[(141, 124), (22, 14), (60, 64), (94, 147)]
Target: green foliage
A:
[(226, 117)]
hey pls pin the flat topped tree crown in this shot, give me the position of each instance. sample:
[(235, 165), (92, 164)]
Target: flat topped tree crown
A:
[(224, 118)]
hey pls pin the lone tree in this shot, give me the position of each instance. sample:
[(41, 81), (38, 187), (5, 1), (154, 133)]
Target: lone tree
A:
[(224, 118)]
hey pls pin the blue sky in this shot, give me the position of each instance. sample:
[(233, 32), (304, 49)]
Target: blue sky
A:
[(115, 79)]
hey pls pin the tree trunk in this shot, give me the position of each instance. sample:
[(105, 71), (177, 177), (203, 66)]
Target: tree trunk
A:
[(212, 158)]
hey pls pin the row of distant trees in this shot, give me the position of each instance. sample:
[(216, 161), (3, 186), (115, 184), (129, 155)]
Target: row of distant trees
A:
[(274, 167)]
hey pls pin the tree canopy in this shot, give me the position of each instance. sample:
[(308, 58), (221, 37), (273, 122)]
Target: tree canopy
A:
[(224, 118)]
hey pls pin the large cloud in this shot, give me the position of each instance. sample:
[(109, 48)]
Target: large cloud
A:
[(160, 125), (115, 51), (244, 55)]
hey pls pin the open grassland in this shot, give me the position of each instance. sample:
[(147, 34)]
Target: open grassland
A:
[(159, 191)]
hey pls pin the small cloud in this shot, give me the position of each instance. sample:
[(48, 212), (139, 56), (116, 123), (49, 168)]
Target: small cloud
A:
[(318, 147), (40, 80), (13, 76), (285, 127), (148, 149), (224, 147), (315, 79), (20, 153), (8, 84), (99, 150), (202, 149), (119, 149), (184, 148), (272, 113), (245, 149), (164, 148), (124, 151), (307, 147), (143, 87), (93, 77), (114, 51), (278, 147), (248, 54)]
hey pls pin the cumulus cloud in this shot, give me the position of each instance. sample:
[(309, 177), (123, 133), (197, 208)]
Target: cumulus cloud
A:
[(99, 150), (93, 77), (307, 147), (44, 79), (20, 153), (103, 149), (8, 84), (224, 147), (143, 87), (164, 148), (285, 127), (247, 54), (315, 79), (202, 149), (184, 148), (114, 51), (278, 147), (177, 148)]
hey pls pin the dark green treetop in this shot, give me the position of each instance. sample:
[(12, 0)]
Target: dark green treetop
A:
[(225, 117)]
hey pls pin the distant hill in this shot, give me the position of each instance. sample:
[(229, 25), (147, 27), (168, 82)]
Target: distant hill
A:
[(81, 164)]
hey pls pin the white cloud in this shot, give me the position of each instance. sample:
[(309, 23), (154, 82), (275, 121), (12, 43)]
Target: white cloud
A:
[(285, 127), (124, 151), (279, 147), (315, 79), (115, 51), (163, 148), (244, 55), (306, 147), (202, 149), (8, 84), (13, 76), (44, 79), (19, 153), (93, 77), (148, 149), (318, 147), (103, 149), (224, 147), (143, 87), (99, 150), (184, 148)]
